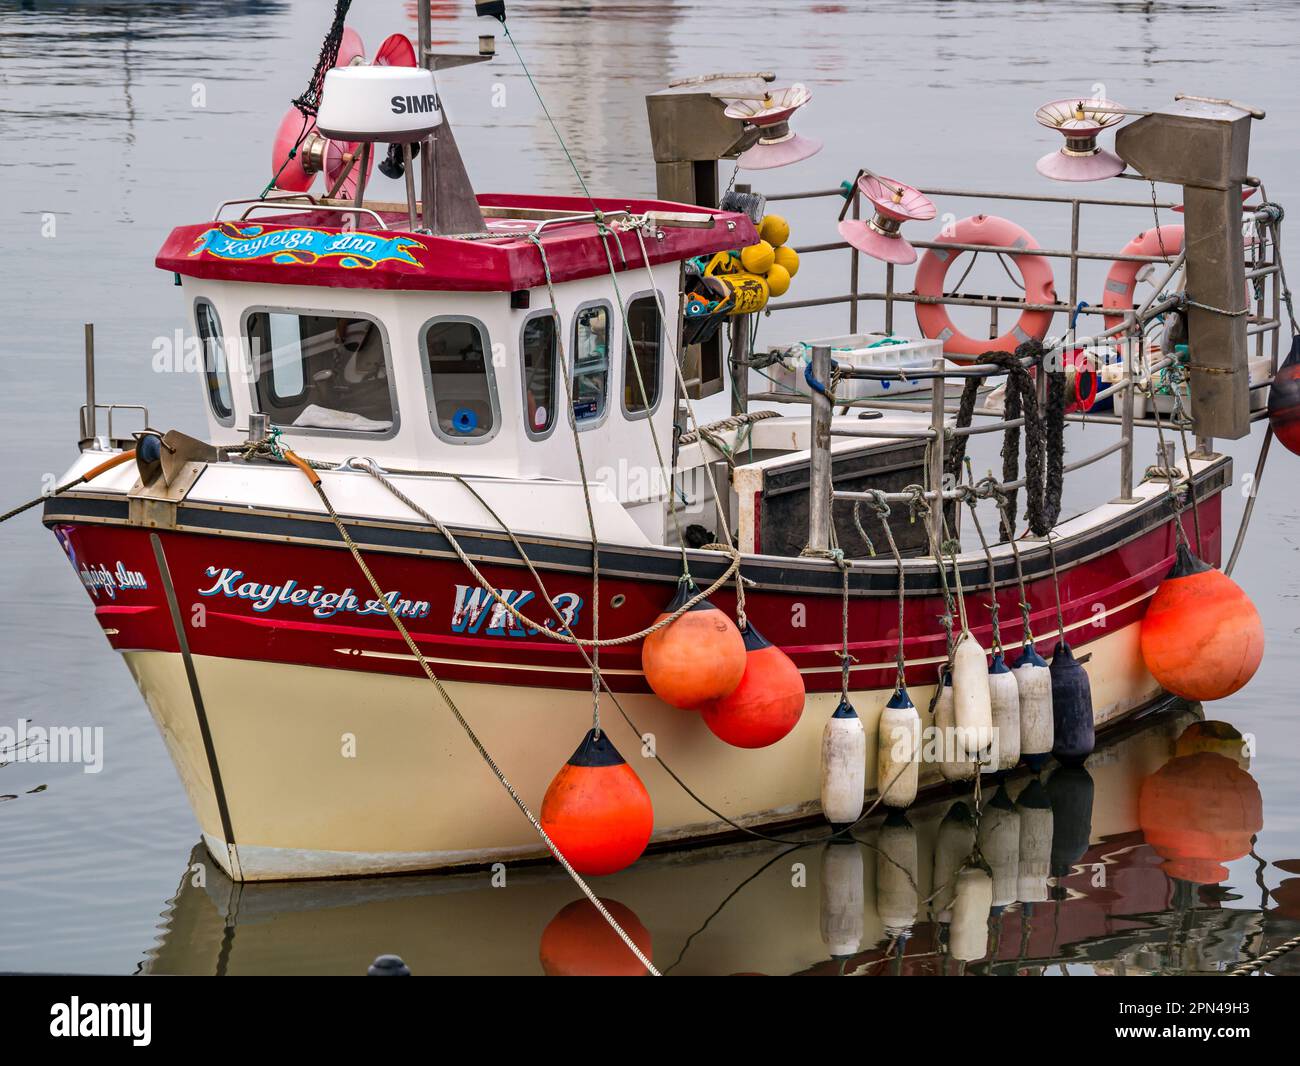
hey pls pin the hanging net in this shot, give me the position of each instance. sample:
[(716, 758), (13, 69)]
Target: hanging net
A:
[(309, 102)]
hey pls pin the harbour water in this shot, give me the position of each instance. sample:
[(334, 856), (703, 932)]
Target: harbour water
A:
[(119, 121)]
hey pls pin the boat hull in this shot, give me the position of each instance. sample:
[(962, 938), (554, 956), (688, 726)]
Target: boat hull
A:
[(328, 753)]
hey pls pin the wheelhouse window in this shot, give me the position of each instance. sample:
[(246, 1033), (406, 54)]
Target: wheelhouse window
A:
[(316, 371), (216, 372), (460, 378), (539, 348), (644, 352), (590, 363)]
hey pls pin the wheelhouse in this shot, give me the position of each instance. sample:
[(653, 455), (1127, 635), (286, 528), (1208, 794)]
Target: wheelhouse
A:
[(460, 354)]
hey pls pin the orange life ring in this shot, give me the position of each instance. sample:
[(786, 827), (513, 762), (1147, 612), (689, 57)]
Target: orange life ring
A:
[(1040, 287), (1122, 279)]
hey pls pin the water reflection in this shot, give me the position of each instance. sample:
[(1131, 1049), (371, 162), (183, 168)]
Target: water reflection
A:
[(1116, 867)]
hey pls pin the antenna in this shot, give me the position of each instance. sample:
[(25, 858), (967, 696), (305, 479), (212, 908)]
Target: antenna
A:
[(1080, 121), (778, 145), (880, 236)]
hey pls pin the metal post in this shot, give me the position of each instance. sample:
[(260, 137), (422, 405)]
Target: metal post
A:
[(1126, 455), (853, 266), (938, 395), (411, 203), (88, 426), (819, 490), (426, 154), (740, 354)]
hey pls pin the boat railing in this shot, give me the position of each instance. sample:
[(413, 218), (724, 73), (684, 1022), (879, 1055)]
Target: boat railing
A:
[(1264, 292)]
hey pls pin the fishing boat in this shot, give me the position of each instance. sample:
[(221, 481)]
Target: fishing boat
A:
[(455, 475)]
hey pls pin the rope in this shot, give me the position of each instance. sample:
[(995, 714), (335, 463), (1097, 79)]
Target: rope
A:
[(315, 480), (519, 616), (1258, 963), (971, 500), (89, 475), (547, 112), (1000, 497), (1044, 435)]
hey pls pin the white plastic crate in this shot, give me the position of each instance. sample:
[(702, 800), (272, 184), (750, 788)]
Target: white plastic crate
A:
[(875, 350)]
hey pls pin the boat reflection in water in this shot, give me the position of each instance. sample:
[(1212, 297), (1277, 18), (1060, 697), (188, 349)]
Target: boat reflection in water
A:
[(1117, 867)]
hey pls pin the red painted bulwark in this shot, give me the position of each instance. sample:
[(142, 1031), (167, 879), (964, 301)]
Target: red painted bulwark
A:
[(314, 250), (267, 611)]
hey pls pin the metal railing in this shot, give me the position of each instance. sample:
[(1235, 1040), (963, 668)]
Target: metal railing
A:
[(1136, 371)]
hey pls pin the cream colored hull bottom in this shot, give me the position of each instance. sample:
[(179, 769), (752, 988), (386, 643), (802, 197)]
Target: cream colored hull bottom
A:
[(332, 773)]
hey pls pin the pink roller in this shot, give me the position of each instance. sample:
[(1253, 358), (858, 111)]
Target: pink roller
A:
[(1080, 121), (895, 203), (778, 145), (294, 129), (396, 51), (351, 48), (335, 163)]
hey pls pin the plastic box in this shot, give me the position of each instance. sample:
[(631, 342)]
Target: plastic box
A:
[(876, 350)]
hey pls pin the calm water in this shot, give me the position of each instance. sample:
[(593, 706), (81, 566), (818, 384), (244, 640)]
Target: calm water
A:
[(103, 149)]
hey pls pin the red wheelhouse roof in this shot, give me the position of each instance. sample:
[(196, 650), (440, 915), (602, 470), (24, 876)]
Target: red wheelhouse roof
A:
[(311, 248)]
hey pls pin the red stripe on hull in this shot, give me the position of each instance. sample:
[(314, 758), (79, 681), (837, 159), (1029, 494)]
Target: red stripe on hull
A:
[(1098, 595)]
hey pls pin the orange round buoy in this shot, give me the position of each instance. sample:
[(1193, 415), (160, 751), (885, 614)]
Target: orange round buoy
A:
[(1202, 638), (766, 704), (596, 810), (1199, 812), (578, 942), (698, 658)]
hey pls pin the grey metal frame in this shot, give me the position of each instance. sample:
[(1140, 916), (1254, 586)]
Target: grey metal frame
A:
[(557, 388), (488, 369), (592, 423), (659, 302), (309, 431), (823, 494)]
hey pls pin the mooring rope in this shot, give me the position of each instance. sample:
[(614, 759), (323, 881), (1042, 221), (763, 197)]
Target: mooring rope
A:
[(314, 478), (1259, 962), (89, 475)]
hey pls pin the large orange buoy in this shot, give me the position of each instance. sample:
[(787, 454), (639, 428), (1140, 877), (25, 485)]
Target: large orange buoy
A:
[(596, 811), (1199, 812), (1284, 400), (1202, 638), (698, 658), (766, 704), (578, 942)]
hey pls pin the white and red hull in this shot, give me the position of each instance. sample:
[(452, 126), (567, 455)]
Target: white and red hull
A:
[(336, 757)]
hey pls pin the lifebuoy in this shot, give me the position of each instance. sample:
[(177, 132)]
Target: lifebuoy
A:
[(1122, 279), (1040, 287)]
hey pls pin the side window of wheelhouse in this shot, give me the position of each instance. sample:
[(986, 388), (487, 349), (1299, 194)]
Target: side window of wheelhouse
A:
[(590, 363), (216, 372), (644, 354), (463, 404), (317, 371), (540, 380)]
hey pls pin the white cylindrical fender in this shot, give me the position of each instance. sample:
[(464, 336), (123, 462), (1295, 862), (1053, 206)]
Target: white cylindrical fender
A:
[(1004, 697), (842, 904), (999, 840), (952, 847), (1035, 843), (968, 938), (897, 875), (973, 707), (953, 761), (844, 766), (898, 740), (1037, 729)]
